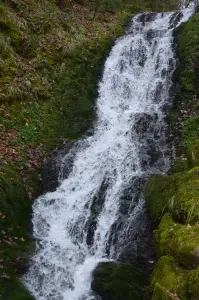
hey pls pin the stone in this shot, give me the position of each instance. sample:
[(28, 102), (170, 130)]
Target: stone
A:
[(116, 281)]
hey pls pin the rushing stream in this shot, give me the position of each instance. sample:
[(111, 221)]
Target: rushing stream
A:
[(95, 213)]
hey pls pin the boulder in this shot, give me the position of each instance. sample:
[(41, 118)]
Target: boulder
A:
[(166, 278), (117, 281), (179, 241)]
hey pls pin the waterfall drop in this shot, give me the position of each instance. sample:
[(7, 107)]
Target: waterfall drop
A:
[(96, 212)]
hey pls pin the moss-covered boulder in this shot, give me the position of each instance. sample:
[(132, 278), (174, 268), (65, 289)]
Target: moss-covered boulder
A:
[(156, 195), (177, 194), (193, 154), (161, 293), (160, 191), (186, 202), (179, 241), (189, 287), (171, 282), (116, 281), (166, 278)]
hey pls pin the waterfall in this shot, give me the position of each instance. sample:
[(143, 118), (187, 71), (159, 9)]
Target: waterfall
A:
[(96, 211), (188, 3)]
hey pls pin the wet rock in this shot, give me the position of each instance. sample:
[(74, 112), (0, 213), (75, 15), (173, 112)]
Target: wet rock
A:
[(53, 165), (147, 17), (150, 35), (145, 124), (175, 19), (96, 208)]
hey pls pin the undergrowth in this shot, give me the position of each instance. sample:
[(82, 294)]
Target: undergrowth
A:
[(188, 53)]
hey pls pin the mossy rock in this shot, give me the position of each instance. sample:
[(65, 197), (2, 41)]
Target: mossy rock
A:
[(167, 274), (166, 278), (179, 241), (189, 287), (159, 193), (171, 282), (170, 194), (186, 202), (161, 293), (193, 154), (116, 281)]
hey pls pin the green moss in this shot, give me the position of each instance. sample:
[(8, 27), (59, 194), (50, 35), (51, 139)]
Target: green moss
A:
[(167, 274), (160, 193), (189, 287), (186, 206), (161, 293), (171, 282), (187, 42), (179, 241), (115, 281), (170, 194), (16, 244), (188, 52)]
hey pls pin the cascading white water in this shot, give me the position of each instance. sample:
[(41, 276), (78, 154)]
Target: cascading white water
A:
[(83, 221), (186, 3)]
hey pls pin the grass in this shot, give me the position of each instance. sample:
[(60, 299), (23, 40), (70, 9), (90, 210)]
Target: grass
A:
[(15, 211)]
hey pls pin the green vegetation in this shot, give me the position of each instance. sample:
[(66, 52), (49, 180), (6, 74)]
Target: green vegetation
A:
[(16, 244), (188, 52), (173, 200), (179, 241), (173, 203), (165, 278), (115, 281), (189, 286), (179, 165)]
